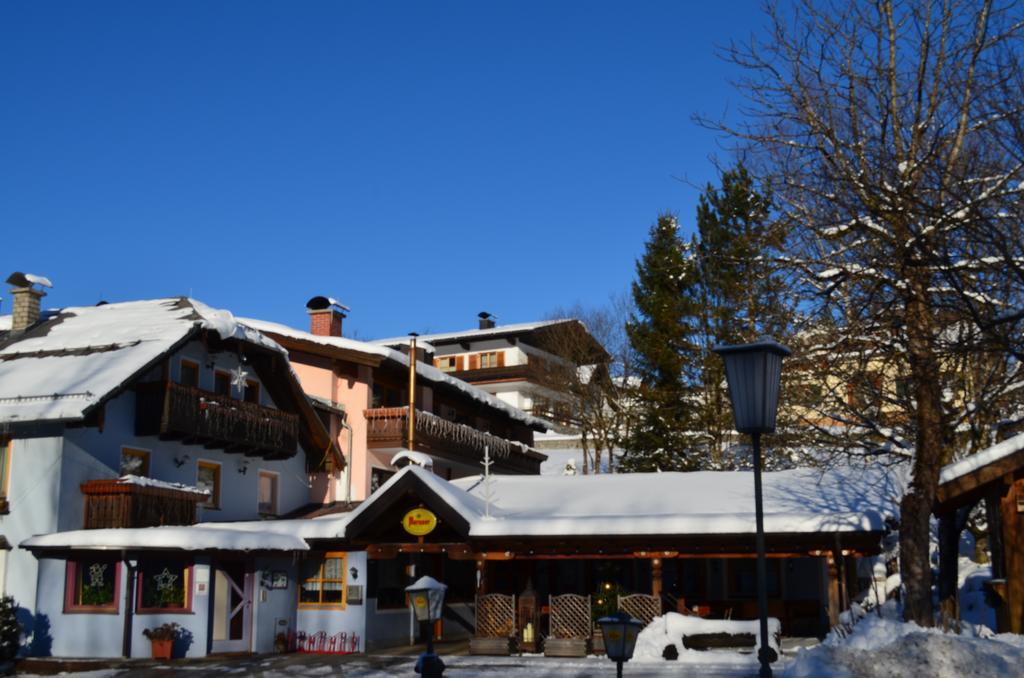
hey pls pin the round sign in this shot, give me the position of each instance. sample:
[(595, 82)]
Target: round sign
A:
[(419, 522)]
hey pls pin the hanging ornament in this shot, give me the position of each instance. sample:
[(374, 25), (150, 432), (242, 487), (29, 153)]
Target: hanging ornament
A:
[(96, 575), (238, 376)]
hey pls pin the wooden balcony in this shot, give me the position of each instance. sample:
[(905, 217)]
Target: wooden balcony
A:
[(115, 503), (387, 427), (173, 411)]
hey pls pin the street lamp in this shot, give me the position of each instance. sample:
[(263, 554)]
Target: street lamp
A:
[(619, 632), (753, 372), (426, 595)]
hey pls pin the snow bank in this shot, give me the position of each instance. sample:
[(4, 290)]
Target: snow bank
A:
[(671, 628), (881, 646)]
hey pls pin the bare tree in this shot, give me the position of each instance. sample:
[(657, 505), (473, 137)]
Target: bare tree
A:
[(592, 378), (890, 135)]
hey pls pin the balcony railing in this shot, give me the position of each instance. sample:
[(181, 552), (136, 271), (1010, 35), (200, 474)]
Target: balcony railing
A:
[(171, 411), (389, 426), (117, 503)]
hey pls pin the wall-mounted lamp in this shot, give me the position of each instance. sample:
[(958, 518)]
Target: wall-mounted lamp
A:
[(354, 572)]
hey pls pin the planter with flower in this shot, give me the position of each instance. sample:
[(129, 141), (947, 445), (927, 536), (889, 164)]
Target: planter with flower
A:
[(162, 639)]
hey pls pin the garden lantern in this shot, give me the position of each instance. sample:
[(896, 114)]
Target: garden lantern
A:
[(619, 632), (426, 596), (753, 372)]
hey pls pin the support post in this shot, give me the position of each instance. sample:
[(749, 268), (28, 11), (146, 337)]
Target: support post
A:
[(412, 393), (764, 655), (656, 580), (833, 591), (129, 607), (1013, 547), (949, 542)]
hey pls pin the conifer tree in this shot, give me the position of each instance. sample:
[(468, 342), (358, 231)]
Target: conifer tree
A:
[(10, 629), (662, 341)]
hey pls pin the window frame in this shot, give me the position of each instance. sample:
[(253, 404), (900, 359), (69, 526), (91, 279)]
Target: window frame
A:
[(276, 490), (492, 360), (214, 502), (186, 573), (229, 393), (255, 386), (343, 556), (145, 454), (181, 371), (71, 569), (6, 449)]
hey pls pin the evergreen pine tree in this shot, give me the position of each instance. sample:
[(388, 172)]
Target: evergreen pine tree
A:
[(662, 341), (10, 629)]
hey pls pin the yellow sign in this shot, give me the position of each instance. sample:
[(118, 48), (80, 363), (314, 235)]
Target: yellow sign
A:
[(419, 522)]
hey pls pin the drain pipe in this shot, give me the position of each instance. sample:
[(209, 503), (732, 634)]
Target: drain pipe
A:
[(129, 604), (348, 470)]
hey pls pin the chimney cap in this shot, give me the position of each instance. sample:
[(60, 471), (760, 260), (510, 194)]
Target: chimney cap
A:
[(19, 279), (484, 315), (319, 303)]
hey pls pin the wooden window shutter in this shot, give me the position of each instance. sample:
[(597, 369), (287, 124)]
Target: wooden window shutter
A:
[(437, 363), (474, 362), (460, 362), (501, 358)]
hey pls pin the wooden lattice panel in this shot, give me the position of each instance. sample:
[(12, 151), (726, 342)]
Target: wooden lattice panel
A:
[(495, 616), (570, 616), (642, 606)]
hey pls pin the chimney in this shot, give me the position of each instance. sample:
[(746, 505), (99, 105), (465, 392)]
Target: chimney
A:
[(325, 316), (27, 291), (486, 320)]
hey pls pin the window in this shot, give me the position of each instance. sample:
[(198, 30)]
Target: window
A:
[(252, 391), (164, 587), (92, 585), (267, 499), (134, 462), (222, 383), (323, 581), (208, 478), (448, 363), (489, 359), (378, 477), (189, 374)]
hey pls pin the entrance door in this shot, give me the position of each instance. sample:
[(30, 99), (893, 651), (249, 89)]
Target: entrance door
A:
[(232, 607)]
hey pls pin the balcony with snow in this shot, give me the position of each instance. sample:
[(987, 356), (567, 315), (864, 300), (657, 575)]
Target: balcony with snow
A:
[(178, 412), (388, 430)]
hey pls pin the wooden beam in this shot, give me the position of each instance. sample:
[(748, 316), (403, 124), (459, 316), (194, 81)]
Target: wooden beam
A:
[(833, 591), (656, 583), (1013, 549), (952, 494)]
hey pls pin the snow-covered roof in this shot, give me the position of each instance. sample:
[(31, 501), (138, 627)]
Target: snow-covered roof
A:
[(987, 456), (70, 362), (698, 503), (183, 538), (428, 372), (330, 526), (413, 457), (441, 337), (6, 321)]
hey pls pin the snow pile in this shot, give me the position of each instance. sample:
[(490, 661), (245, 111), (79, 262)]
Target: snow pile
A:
[(974, 608), (671, 628), (884, 646)]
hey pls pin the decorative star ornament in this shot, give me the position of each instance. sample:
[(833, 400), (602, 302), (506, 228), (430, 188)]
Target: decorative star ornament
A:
[(165, 580), (238, 376), (96, 572)]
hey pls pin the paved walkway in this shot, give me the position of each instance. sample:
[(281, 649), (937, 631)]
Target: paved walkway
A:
[(393, 662)]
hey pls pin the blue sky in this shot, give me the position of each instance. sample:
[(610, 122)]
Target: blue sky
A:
[(419, 161)]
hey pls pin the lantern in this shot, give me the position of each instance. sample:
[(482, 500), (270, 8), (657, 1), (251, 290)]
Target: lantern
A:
[(619, 632)]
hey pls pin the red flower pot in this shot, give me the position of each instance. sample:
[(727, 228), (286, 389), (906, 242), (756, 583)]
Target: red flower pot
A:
[(162, 648)]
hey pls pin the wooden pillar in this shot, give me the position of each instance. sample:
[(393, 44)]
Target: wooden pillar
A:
[(949, 543), (994, 514), (656, 584), (1013, 549), (481, 577), (833, 591)]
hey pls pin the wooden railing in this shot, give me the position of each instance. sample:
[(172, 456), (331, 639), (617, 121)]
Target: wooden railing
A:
[(389, 426), (112, 503), (171, 410)]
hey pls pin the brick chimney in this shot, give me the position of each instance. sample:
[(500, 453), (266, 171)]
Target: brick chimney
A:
[(486, 320), (27, 291), (325, 316)]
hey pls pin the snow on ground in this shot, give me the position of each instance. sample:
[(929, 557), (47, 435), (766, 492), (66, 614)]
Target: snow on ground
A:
[(884, 646)]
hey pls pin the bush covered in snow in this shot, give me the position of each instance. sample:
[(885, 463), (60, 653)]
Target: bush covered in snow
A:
[(883, 646)]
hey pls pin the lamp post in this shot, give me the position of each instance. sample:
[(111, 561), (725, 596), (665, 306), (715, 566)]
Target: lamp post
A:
[(753, 372), (426, 595), (619, 631)]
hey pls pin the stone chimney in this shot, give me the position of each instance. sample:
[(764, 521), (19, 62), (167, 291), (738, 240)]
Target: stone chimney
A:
[(486, 320), (26, 291), (325, 316)]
